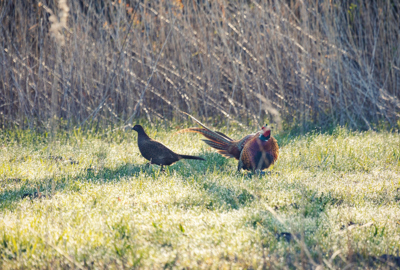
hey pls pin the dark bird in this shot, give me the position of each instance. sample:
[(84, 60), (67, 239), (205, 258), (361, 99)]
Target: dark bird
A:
[(259, 152), (225, 146), (156, 152)]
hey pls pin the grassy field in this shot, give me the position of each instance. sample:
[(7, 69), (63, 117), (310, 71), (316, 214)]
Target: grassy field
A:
[(332, 200)]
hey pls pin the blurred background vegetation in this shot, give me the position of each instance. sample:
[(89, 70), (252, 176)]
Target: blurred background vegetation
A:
[(290, 62)]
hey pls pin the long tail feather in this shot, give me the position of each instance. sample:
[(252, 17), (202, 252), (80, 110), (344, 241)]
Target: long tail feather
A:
[(223, 135), (193, 129), (205, 127), (209, 134), (215, 145), (197, 121), (216, 139), (225, 154), (191, 157)]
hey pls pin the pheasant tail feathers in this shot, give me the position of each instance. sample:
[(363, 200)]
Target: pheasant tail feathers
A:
[(216, 139)]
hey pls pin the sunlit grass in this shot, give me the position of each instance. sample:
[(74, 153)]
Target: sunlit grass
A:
[(338, 192)]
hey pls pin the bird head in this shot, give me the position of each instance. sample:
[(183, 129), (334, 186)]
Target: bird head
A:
[(138, 128), (265, 133)]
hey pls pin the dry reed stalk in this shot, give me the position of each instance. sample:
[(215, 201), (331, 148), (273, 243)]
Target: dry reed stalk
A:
[(57, 24), (309, 62)]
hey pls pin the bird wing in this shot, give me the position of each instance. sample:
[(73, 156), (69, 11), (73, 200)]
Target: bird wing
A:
[(244, 140), (156, 151), (163, 150)]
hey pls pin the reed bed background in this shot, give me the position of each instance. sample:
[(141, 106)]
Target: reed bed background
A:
[(291, 62)]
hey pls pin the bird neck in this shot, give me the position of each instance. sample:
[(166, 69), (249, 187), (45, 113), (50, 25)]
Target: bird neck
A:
[(263, 138), (142, 134)]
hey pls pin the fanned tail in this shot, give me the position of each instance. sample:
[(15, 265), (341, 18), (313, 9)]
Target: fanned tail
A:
[(215, 144), (223, 135), (209, 134), (216, 139)]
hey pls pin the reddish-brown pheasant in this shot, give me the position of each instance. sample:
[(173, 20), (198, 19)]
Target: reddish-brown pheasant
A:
[(259, 152), (225, 146), (156, 152), (253, 158)]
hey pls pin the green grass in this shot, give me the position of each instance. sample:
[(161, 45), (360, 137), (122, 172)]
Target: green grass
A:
[(338, 193)]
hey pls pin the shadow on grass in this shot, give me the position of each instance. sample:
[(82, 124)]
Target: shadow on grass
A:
[(213, 167), (16, 189), (231, 197)]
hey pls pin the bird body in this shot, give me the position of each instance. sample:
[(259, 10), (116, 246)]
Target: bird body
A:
[(259, 152), (156, 152)]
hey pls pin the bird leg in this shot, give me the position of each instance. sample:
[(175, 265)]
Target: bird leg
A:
[(148, 164), (240, 165), (259, 172), (162, 168)]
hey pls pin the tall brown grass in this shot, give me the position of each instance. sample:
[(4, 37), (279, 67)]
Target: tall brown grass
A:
[(301, 61)]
